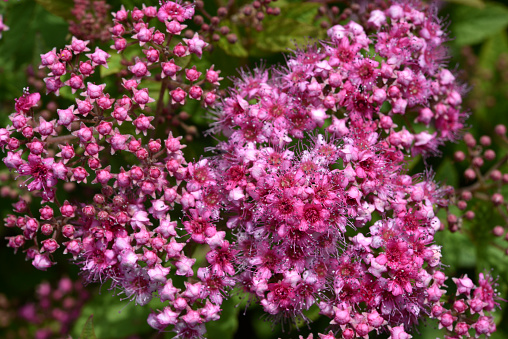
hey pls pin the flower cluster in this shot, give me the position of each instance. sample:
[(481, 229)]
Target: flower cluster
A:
[(306, 202), (111, 236), (300, 215)]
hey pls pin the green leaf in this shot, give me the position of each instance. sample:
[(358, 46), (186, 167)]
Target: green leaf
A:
[(88, 332), (471, 26), (226, 326), (237, 49), (115, 61), (115, 318), (458, 251), (447, 173), (284, 33), (33, 31), (472, 3), (61, 8), (301, 12), (492, 49)]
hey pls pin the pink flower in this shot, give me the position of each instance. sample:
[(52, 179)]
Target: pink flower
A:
[(39, 172), (398, 333), (196, 45), (99, 57), (42, 262), (464, 285)]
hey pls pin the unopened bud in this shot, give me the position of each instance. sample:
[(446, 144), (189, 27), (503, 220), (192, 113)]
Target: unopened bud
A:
[(470, 174), (467, 195), (495, 175), (215, 20), (498, 231), (497, 199), (459, 156), (505, 178), (485, 140), (232, 38), (490, 155), (198, 20), (224, 30), (247, 11), (222, 12), (462, 205), (469, 215), (477, 162), (452, 219), (99, 199), (469, 140), (500, 130)]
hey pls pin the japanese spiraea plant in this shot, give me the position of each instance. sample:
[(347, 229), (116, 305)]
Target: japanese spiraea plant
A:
[(305, 202)]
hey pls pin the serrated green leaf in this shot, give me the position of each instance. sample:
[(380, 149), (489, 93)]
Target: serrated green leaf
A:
[(115, 61), (88, 331), (282, 34), (471, 26), (183, 61), (236, 49), (61, 8), (472, 3), (301, 12)]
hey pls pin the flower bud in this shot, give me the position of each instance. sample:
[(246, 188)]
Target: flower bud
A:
[(490, 155), (497, 199), (498, 231), (470, 174), (500, 130)]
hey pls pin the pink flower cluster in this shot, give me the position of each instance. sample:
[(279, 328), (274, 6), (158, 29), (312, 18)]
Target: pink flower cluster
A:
[(306, 202)]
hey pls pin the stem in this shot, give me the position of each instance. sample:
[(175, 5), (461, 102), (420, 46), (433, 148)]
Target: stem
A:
[(60, 139), (160, 105)]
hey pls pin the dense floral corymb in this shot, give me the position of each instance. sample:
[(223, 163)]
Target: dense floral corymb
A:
[(307, 201)]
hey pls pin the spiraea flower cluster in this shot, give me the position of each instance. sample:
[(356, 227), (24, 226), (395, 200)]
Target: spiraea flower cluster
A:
[(314, 154), (306, 201)]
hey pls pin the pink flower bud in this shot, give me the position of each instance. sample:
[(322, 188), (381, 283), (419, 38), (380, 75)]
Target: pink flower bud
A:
[(180, 50), (50, 245), (152, 55), (42, 262), (67, 209), (47, 229), (178, 95), (139, 69), (46, 213), (169, 69), (119, 44), (195, 92), (158, 38)]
